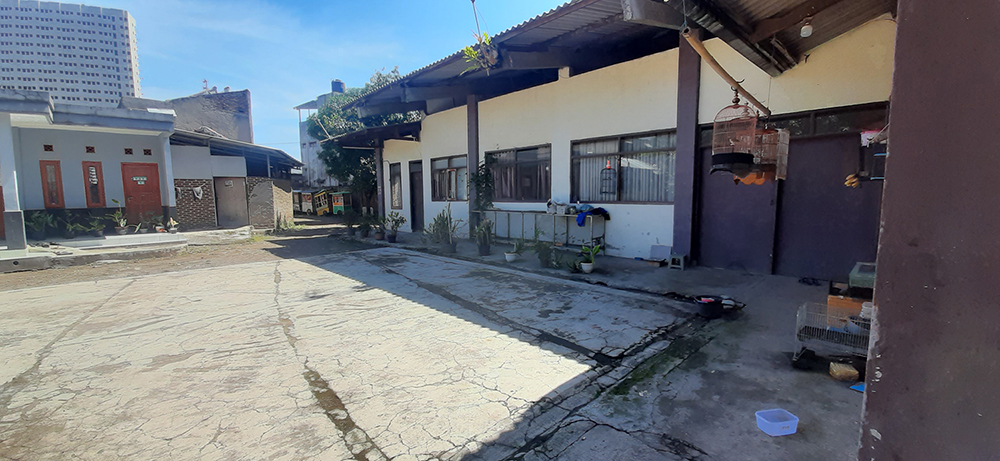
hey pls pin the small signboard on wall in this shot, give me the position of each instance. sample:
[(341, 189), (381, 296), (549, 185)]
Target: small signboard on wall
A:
[(140, 180)]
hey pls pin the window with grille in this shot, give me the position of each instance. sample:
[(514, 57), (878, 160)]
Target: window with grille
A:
[(522, 175), (396, 186), (635, 169), (449, 178), (93, 181)]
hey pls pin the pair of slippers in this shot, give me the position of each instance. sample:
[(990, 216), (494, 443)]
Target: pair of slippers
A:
[(810, 281)]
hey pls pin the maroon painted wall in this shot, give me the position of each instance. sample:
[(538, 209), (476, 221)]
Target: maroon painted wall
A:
[(934, 374)]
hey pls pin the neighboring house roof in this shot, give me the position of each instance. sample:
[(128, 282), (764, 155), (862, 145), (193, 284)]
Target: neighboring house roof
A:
[(227, 113), (36, 109), (223, 146)]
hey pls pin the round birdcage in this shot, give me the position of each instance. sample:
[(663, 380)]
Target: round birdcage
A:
[(734, 137)]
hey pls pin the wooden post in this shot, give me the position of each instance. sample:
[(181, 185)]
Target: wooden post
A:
[(472, 109), (686, 171), (380, 179)]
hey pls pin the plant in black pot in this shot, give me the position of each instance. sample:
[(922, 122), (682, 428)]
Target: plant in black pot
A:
[(351, 221), (543, 249), (393, 221), (96, 226), (365, 227), (70, 229), (442, 230), (484, 236), (37, 223), (172, 225), (378, 226), (119, 219)]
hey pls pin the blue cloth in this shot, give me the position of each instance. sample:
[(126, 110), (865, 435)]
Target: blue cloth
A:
[(581, 219)]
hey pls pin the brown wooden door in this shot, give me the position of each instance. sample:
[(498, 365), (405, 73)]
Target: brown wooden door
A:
[(142, 190), (416, 196)]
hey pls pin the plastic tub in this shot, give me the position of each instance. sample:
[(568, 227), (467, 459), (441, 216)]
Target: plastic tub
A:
[(777, 422)]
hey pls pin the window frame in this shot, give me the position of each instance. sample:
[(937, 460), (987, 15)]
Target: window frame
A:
[(452, 177), (396, 180), (100, 184), (517, 164), (57, 170), (575, 180)]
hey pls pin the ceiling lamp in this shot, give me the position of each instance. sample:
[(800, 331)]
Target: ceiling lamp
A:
[(807, 28)]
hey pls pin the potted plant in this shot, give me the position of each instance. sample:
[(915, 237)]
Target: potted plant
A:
[(378, 225), (71, 229), (351, 220), (365, 227), (589, 253), (144, 222), (520, 246), (156, 223), (36, 224), (542, 249), (172, 226), (393, 221), (484, 236), (96, 227), (442, 230), (119, 219)]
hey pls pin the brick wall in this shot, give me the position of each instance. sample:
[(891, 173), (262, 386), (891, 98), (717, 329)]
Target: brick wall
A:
[(260, 195), (193, 213), (283, 200)]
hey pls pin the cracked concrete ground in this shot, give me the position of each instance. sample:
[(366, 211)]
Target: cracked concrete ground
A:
[(381, 354), (392, 354)]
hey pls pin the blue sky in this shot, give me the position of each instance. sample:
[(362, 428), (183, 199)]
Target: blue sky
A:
[(286, 52)]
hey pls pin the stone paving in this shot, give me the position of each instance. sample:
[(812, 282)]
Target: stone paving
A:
[(379, 354)]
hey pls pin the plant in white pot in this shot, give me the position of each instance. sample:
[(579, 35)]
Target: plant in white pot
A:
[(520, 246), (589, 253), (393, 221)]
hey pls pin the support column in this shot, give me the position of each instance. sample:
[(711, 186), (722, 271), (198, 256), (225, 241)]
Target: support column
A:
[(168, 173), (686, 166), (934, 362), (380, 179), (472, 117), (13, 217)]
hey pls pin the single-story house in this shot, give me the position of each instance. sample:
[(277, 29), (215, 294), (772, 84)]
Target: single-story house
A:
[(588, 88)]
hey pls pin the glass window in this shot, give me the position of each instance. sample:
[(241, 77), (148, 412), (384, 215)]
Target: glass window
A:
[(635, 169), (449, 178), (93, 181), (521, 174), (52, 184), (396, 186)]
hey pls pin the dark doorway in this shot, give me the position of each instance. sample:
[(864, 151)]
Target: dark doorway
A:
[(142, 191), (231, 202), (3, 234), (737, 222), (825, 227), (416, 196)]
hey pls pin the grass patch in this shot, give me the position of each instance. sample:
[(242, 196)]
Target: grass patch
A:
[(676, 353)]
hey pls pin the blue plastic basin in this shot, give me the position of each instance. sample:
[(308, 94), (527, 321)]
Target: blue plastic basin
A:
[(777, 422)]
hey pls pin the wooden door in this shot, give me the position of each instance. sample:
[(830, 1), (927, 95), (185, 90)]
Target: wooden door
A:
[(824, 227), (416, 196), (141, 183), (737, 222), (231, 207)]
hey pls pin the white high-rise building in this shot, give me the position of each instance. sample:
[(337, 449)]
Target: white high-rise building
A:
[(79, 54)]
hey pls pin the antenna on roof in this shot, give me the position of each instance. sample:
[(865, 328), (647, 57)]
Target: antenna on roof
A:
[(204, 84)]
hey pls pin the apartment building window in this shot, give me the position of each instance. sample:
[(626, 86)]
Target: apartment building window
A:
[(52, 189), (449, 178), (642, 165), (522, 175), (93, 180), (396, 185)]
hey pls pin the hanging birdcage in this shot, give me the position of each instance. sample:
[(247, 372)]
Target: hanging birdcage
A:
[(609, 182), (734, 136), (771, 152)]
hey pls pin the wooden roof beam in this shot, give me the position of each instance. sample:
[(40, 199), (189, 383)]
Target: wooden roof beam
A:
[(398, 107)]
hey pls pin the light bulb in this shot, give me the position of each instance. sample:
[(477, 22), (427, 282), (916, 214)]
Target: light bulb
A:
[(807, 29)]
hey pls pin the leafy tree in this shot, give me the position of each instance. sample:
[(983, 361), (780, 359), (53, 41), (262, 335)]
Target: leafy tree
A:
[(354, 166)]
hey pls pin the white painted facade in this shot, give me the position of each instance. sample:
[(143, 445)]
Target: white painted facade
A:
[(635, 97), (314, 170), (196, 162), (79, 54), (69, 148)]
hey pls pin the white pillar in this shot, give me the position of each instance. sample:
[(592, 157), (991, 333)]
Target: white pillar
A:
[(8, 169), (168, 167)]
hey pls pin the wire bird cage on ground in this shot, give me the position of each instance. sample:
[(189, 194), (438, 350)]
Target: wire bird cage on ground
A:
[(835, 332)]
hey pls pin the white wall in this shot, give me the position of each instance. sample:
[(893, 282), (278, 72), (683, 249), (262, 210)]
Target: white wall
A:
[(854, 68), (640, 96), (401, 152), (69, 147), (195, 162)]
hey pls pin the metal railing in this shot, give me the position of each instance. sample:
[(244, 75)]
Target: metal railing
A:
[(560, 229)]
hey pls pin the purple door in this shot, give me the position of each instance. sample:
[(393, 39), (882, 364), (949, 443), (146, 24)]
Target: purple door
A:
[(736, 227)]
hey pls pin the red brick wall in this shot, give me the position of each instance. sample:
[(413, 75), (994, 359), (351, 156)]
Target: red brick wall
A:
[(192, 213)]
